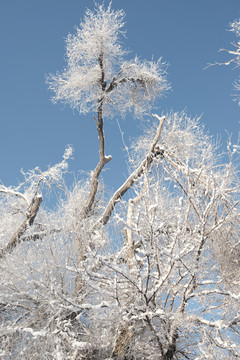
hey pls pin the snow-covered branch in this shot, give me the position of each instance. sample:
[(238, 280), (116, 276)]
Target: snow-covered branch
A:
[(133, 177)]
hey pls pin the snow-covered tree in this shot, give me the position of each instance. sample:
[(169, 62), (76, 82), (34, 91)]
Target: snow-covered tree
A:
[(98, 79), (151, 273)]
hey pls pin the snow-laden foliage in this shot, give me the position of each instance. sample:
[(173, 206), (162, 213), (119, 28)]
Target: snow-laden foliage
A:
[(151, 273), (161, 281), (97, 72)]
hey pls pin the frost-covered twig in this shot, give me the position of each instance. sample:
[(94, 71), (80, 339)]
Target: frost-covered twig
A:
[(8, 191)]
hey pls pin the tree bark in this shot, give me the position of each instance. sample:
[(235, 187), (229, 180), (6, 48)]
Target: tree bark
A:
[(103, 160)]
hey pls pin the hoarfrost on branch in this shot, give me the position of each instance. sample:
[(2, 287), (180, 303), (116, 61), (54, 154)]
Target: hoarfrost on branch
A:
[(151, 272)]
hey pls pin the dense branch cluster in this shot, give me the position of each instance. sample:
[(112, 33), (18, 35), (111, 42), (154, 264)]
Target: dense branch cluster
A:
[(96, 69), (151, 272)]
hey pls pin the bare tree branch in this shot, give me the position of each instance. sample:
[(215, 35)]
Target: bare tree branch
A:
[(103, 160), (30, 217), (133, 177)]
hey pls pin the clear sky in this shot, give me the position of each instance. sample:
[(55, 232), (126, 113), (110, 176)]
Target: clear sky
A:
[(185, 33)]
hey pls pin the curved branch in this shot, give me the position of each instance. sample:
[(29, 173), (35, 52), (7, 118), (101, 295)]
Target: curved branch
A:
[(7, 191), (133, 177)]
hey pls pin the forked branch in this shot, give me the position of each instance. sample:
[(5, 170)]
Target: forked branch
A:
[(103, 160)]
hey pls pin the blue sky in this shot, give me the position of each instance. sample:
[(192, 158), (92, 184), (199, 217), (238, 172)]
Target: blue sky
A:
[(185, 33)]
